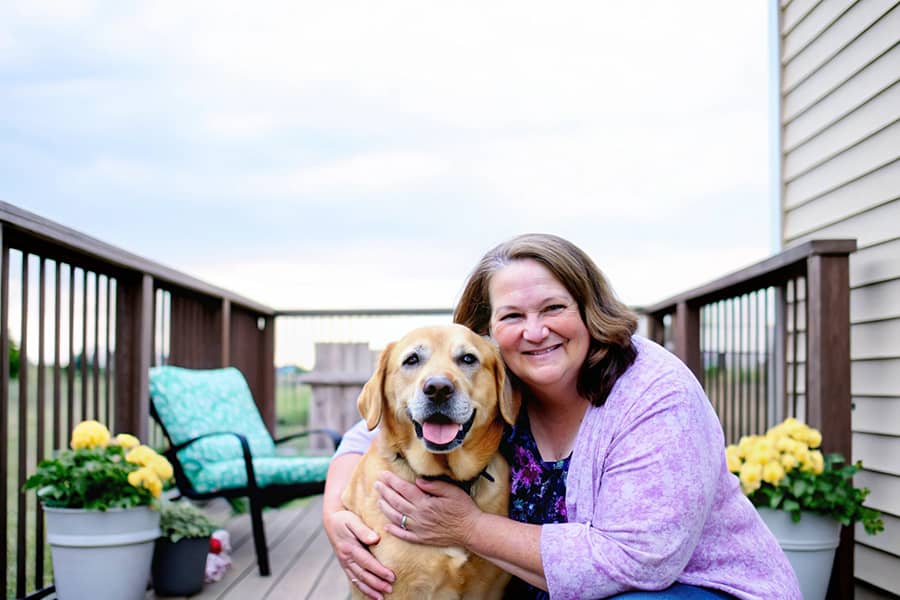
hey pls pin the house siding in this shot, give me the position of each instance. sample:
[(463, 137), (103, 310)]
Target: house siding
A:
[(840, 177)]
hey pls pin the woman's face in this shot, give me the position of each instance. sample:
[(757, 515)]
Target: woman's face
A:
[(538, 327)]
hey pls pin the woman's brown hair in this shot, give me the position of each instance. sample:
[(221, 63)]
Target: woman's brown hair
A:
[(609, 322)]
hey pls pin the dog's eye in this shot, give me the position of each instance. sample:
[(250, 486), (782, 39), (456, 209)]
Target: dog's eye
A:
[(411, 360), (468, 359)]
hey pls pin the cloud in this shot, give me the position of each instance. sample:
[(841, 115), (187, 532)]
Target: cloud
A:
[(307, 153)]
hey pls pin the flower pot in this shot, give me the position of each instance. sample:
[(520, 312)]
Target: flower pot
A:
[(179, 567), (809, 544), (101, 555)]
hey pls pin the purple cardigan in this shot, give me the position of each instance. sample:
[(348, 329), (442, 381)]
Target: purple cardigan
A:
[(650, 499)]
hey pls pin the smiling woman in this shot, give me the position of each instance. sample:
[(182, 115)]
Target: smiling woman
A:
[(618, 481)]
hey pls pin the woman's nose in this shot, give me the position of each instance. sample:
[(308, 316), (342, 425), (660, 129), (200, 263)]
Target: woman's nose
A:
[(535, 330)]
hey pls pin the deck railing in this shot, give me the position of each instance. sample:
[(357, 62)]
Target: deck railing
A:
[(772, 341), (90, 319)]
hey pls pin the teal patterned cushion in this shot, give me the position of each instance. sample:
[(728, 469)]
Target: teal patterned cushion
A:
[(269, 471), (191, 402)]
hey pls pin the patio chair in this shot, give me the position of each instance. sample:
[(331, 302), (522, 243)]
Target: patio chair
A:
[(219, 446)]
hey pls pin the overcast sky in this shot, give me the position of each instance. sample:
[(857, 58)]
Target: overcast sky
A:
[(366, 154)]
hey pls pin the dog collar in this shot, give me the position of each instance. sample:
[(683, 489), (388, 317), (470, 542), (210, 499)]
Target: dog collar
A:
[(465, 486)]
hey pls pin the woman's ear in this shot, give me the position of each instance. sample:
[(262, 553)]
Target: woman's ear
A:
[(371, 399)]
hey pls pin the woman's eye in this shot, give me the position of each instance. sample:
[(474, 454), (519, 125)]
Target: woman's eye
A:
[(468, 359), (510, 316), (555, 307), (411, 360)]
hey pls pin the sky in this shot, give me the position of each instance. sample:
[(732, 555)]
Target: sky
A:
[(366, 154)]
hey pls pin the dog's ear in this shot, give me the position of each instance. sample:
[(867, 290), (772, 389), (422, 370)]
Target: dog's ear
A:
[(510, 398), (371, 398)]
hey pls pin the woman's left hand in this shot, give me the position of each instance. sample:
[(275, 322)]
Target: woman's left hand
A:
[(437, 513)]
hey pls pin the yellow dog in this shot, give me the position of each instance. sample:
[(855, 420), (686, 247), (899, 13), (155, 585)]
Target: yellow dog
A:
[(440, 396)]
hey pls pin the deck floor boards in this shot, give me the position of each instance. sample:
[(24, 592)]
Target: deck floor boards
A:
[(302, 563)]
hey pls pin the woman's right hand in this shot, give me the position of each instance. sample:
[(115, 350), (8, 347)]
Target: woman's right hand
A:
[(350, 538)]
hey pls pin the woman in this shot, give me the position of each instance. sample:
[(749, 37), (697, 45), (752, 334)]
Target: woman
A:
[(619, 481)]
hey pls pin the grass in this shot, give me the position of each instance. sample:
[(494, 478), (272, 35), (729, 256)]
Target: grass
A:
[(292, 410)]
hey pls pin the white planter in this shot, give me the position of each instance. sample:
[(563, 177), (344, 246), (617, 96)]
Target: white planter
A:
[(101, 555), (809, 544)]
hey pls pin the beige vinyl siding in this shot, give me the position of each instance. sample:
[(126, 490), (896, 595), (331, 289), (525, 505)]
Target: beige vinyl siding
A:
[(840, 175), (864, 193), (878, 263), (871, 44), (846, 28), (881, 111), (877, 415), (866, 84), (875, 151), (875, 302), (877, 567), (885, 490)]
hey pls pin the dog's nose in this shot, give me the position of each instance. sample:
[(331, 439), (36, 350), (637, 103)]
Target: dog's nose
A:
[(438, 389)]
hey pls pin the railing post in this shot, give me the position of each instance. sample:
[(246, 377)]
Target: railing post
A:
[(134, 318), (656, 329), (225, 332), (687, 337), (267, 373), (828, 394)]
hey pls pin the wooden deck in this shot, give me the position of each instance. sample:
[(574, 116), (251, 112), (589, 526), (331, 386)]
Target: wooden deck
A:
[(303, 565)]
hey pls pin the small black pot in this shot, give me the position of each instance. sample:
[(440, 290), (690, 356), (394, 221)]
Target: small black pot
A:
[(178, 569)]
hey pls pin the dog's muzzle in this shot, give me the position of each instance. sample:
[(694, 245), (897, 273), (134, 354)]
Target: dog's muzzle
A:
[(439, 425)]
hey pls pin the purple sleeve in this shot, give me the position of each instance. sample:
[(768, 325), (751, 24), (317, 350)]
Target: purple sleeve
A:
[(356, 440), (654, 489)]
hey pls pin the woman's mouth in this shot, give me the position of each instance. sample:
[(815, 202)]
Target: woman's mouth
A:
[(542, 351)]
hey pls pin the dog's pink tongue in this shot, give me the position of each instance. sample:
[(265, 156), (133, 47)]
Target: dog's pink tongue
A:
[(439, 433)]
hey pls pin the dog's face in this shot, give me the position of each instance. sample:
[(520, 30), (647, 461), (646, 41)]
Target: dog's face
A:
[(441, 386)]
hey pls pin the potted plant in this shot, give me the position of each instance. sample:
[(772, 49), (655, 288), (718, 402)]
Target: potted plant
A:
[(99, 497), (179, 559), (803, 496)]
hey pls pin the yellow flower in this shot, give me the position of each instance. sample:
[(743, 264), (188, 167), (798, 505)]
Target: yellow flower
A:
[(732, 457), (89, 434), (147, 479), (813, 438), (817, 462), (162, 467), (773, 472), (142, 455), (751, 477), (789, 462), (746, 445), (127, 441)]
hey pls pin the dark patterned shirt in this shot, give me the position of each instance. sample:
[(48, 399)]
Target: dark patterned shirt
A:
[(537, 493)]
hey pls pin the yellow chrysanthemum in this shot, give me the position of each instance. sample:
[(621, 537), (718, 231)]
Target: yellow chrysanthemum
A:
[(146, 478), (813, 438), (733, 458), (789, 462), (141, 455), (162, 467), (746, 445), (127, 441), (817, 462), (773, 472), (89, 434), (751, 477)]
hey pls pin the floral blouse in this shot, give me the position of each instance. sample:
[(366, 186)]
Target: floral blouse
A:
[(537, 493)]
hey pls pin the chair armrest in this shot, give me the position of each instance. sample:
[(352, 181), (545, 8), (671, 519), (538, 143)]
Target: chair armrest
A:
[(333, 435), (245, 450)]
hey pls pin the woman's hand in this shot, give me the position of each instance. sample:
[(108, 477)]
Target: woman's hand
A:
[(437, 513), (350, 537)]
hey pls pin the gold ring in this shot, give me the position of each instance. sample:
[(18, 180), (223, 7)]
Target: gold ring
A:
[(403, 521)]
